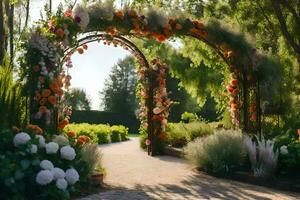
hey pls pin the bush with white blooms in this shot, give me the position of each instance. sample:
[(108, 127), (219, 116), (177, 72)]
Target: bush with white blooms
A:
[(37, 167)]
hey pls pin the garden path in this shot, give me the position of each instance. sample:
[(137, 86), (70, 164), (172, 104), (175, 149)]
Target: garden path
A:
[(135, 176)]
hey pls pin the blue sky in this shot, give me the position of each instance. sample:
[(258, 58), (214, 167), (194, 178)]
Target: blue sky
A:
[(92, 68)]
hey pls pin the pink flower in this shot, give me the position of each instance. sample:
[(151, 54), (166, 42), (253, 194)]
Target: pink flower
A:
[(147, 142)]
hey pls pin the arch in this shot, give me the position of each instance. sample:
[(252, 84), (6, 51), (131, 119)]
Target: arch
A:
[(56, 37)]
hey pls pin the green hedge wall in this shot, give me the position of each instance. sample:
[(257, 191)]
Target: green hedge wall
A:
[(104, 117)]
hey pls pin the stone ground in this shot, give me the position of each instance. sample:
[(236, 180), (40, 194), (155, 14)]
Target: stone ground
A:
[(135, 176)]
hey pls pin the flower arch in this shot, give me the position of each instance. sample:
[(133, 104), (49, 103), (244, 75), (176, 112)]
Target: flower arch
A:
[(54, 40)]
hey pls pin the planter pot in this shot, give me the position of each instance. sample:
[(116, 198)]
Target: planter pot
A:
[(97, 178)]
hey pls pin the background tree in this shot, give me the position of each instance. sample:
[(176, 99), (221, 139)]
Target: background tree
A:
[(118, 94), (77, 98)]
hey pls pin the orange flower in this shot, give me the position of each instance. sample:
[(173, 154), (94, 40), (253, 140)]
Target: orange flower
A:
[(68, 13), (63, 123), (52, 99), (60, 33), (35, 128), (71, 134), (80, 50), (60, 92), (85, 46), (43, 101), (42, 109), (15, 129), (132, 13), (198, 24), (111, 31), (298, 131), (46, 93), (178, 26), (36, 68), (120, 14)]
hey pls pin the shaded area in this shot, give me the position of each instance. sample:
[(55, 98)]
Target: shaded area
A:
[(134, 175)]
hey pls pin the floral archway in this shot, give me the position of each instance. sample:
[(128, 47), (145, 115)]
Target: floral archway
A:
[(54, 40)]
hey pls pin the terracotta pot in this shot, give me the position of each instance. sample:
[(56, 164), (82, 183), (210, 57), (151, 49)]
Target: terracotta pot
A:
[(97, 178)]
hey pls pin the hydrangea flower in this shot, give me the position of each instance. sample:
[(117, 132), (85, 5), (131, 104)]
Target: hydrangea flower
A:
[(51, 148), (33, 148), (61, 140), (67, 153), (284, 150), (61, 184), (21, 138), (72, 176), (42, 141), (47, 165), (58, 173), (44, 177)]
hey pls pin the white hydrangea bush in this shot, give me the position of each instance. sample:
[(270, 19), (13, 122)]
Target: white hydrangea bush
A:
[(57, 169)]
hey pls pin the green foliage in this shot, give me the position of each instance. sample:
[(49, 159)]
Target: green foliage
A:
[(19, 168), (290, 163), (118, 94), (99, 133), (187, 117), (220, 153), (78, 99), (179, 134), (143, 138)]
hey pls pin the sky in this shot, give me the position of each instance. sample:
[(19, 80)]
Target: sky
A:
[(91, 68)]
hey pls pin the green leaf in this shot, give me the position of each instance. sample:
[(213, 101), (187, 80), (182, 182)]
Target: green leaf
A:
[(19, 175), (25, 164), (8, 182)]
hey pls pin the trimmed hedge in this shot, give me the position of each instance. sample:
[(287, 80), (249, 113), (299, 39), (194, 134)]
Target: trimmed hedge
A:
[(100, 133), (104, 117)]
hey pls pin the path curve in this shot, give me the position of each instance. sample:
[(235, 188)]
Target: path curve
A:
[(136, 176)]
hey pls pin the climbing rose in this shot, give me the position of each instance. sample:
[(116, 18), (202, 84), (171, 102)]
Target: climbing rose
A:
[(61, 184), (67, 153), (147, 142), (47, 165), (44, 177), (58, 173), (21, 138), (52, 148), (72, 176)]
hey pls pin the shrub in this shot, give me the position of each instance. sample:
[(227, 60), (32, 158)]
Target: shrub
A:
[(219, 153), (27, 166), (100, 133), (187, 117), (143, 138), (181, 133), (122, 130)]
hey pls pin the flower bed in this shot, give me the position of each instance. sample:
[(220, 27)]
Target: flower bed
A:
[(35, 166), (99, 133)]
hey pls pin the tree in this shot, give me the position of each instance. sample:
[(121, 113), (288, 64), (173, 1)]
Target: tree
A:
[(118, 94), (77, 98)]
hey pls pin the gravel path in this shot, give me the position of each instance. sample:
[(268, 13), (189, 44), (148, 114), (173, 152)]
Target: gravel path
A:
[(136, 176)]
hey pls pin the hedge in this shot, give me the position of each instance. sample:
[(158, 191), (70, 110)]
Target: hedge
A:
[(100, 133), (104, 117)]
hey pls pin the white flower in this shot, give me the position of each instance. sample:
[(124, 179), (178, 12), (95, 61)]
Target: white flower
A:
[(21, 138), (58, 173), (81, 16), (52, 148), (47, 165), (44, 177), (72, 176), (61, 140), (157, 110), (42, 141), (33, 148), (67, 153), (284, 150), (61, 184)]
